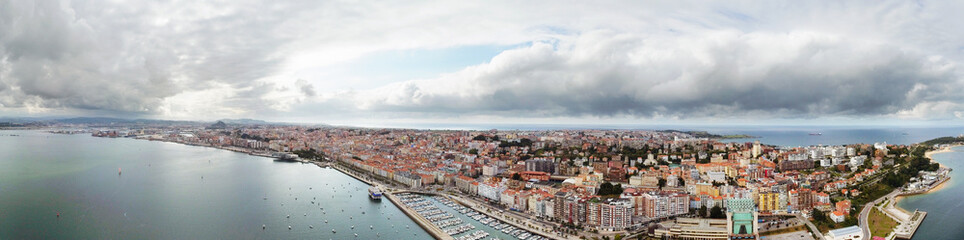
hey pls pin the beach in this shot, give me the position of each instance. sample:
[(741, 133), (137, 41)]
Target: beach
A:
[(939, 186), (944, 149)]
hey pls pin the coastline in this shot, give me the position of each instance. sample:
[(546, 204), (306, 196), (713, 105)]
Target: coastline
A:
[(941, 185), (429, 228)]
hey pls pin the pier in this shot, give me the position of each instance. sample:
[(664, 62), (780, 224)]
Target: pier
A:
[(908, 227), (480, 208), (435, 231)]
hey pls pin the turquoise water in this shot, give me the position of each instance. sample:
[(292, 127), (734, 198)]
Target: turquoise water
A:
[(945, 207), (173, 191)]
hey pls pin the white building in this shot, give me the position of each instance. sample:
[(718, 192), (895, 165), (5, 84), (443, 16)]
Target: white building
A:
[(837, 216), (857, 161), (491, 191), (490, 170), (847, 233)]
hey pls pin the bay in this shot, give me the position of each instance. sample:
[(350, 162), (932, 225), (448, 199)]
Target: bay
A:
[(173, 191), (944, 207)]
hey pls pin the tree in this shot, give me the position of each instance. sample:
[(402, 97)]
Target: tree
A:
[(473, 151), (608, 188), (717, 212), (662, 183), (819, 216), (702, 212), (480, 137), (517, 176), (681, 181)]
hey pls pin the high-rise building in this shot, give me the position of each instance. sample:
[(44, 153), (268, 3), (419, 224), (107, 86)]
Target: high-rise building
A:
[(757, 150), (540, 165)]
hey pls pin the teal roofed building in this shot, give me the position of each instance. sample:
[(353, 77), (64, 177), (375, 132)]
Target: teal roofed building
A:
[(741, 219)]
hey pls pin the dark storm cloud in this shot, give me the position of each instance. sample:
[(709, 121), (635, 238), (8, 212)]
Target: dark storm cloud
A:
[(799, 75)]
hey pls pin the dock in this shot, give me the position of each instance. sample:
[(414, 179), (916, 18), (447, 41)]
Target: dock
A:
[(435, 231), (907, 228)]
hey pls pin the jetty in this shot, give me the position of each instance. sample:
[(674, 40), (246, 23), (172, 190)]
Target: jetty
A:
[(435, 231), (909, 226)]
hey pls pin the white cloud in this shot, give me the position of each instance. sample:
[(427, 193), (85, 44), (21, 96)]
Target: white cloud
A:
[(611, 59)]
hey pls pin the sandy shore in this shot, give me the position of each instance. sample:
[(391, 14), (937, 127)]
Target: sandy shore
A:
[(929, 154)]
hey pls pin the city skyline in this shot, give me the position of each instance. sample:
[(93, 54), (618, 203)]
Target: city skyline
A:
[(392, 64)]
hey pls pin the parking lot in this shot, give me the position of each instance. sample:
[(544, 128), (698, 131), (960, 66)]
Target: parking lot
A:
[(799, 235)]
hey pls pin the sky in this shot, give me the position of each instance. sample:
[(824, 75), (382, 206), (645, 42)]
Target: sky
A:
[(385, 63)]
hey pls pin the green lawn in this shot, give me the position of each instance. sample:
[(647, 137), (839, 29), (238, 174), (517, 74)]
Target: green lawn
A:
[(880, 223)]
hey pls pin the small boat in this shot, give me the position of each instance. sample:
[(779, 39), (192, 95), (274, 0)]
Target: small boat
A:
[(118, 171), (816, 134), (333, 230), (263, 226), (289, 227)]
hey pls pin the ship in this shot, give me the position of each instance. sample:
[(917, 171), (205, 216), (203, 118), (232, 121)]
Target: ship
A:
[(374, 193), (816, 134)]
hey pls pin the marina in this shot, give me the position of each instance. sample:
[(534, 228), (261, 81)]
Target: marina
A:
[(461, 222)]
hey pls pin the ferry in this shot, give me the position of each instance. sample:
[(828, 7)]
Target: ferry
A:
[(374, 193)]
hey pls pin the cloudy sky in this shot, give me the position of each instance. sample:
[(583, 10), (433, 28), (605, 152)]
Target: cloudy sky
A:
[(387, 62)]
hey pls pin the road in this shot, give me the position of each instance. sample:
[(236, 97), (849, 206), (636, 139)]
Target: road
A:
[(819, 235), (865, 212)]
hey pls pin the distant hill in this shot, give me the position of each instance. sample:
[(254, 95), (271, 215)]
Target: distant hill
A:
[(943, 140), (705, 134), (109, 120), (218, 125), (243, 121)]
